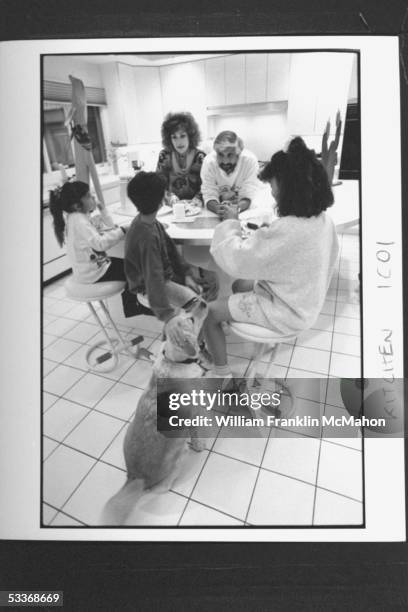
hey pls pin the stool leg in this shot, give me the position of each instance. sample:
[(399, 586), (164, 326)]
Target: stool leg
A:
[(110, 356), (101, 325), (258, 354), (108, 316), (272, 357)]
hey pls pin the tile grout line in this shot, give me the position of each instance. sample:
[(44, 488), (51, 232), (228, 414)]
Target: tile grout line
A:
[(267, 441), (199, 475), (327, 387), (216, 510), (257, 477)]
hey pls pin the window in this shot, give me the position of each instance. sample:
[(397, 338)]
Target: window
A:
[(57, 136)]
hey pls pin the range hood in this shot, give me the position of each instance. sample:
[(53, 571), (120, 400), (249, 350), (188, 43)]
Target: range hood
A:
[(254, 108)]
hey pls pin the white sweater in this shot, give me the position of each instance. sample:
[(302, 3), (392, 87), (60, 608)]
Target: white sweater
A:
[(292, 261), (86, 239), (243, 180)]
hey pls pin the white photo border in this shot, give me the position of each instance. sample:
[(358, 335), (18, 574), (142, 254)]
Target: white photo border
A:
[(380, 188)]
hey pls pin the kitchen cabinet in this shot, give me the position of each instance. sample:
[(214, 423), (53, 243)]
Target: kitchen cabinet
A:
[(183, 89), (247, 78), (235, 79), (278, 71), (129, 97), (256, 77), (215, 81), (111, 83), (148, 109)]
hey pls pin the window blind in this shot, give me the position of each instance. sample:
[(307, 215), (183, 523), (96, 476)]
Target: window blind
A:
[(62, 92)]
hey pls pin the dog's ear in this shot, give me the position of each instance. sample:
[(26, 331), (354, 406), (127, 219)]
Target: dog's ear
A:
[(190, 346)]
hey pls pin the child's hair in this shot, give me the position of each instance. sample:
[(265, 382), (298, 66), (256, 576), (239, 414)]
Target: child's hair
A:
[(65, 199), (304, 189), (180, 121), (146, 191)]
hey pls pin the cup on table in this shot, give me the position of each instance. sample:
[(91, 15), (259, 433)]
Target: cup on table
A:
[(178, 210)]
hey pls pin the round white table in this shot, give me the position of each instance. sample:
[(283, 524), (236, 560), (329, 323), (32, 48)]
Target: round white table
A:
[(345, 213)]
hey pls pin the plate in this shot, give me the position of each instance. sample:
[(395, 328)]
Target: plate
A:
[(164, 210), (183, 220), (191, 210)]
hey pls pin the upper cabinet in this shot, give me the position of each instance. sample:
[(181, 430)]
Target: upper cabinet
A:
[(235, 79), (183, 89), (278, 74), (140, 96), (215, 81), (256, 77), (111, 83), (247, 78), (149, 110), (133, 94)]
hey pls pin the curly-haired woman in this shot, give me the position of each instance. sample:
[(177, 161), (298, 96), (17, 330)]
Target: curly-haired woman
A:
[(180, 160)]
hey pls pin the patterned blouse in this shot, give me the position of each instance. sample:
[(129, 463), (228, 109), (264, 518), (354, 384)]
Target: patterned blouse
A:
[(182, 179)]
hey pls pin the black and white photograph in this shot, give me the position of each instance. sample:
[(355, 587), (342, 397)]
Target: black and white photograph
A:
[(209, 219)]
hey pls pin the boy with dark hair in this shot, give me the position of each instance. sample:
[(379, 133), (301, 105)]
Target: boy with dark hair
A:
[(152, 263)]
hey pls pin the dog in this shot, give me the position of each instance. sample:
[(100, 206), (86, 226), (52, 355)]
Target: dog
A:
[(153, 459)]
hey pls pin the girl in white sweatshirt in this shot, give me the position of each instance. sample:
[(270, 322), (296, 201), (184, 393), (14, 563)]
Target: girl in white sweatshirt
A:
[(86, 238), (286, 267)]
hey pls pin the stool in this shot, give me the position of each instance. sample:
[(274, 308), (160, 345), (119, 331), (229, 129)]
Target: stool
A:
[(263, 338), (98, 292)]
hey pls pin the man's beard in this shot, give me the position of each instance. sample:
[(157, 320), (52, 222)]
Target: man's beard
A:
[(228, 168)]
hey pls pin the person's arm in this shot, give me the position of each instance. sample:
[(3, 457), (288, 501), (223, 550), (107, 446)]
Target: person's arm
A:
[(104, 217), (213, 206), (164, 165), (195, 175), (244, 257), (209, 186), (243, 204), (250, 183), (85, 231)]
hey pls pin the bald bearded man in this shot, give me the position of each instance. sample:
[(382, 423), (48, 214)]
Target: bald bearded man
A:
[(229, 174)]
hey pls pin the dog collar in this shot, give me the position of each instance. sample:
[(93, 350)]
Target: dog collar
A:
[(186, 361)]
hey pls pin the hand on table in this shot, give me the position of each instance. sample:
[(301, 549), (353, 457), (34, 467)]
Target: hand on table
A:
[(228, 211)]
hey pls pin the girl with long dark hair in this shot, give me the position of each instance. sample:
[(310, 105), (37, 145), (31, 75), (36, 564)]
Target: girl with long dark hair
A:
[(86, 237), (285, 268)]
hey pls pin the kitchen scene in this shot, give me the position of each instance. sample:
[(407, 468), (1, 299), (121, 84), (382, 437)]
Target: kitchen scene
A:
[(251, 164)]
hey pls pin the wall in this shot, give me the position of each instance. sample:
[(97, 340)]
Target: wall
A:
[(262, 134)]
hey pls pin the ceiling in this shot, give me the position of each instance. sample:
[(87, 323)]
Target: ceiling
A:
[(146, 59)]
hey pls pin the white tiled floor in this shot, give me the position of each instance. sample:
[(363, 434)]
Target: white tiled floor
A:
[(290, 478)]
